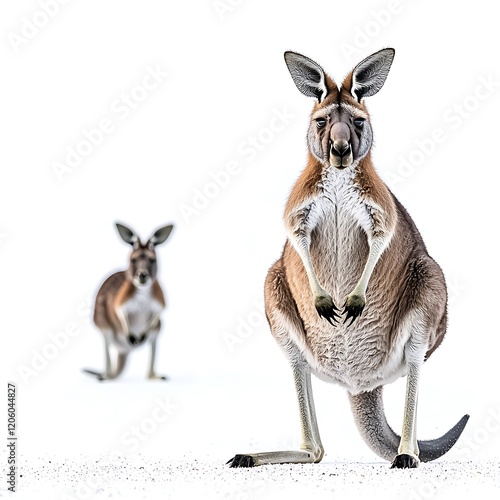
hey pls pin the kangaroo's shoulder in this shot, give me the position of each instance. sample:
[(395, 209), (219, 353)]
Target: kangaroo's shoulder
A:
[(110, 286)]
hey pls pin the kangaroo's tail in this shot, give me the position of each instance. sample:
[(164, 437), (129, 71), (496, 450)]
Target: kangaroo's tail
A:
[(368, 410)]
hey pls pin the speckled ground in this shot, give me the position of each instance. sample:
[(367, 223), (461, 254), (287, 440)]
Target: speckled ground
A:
[(139, 477)]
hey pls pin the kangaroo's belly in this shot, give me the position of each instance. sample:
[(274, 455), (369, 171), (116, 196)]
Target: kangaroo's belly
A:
[(141, 313), (356, 358), (369, 352)]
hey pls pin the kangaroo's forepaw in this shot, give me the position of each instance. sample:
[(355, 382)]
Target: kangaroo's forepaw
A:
[(241, 461), (326, 308), (404, 461), (353, 306), (136, 340)]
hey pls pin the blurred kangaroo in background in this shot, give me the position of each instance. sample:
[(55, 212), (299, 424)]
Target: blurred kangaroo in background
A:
[(352, 244), (128, 304)]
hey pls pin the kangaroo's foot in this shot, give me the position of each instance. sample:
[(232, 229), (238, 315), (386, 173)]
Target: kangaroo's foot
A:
[(277, 457), (405, 461), (241, 461), (98, 375), (155, 376)]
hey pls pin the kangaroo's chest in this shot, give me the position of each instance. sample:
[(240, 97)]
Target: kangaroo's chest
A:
[(354, 356), (141, 310), (341, 198), (339, 241)]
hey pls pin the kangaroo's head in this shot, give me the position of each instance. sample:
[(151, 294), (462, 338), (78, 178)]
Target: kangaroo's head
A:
[(340, 133), (143, 267)]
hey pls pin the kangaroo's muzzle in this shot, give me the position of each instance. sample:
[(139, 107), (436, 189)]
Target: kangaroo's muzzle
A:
[(340, 146), (340, 154)]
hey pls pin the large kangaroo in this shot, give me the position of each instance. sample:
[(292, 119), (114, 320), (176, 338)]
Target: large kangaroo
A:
[(353, 254), (128, 305)]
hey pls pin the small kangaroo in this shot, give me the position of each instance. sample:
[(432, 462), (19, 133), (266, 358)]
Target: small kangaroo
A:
[(353, 253), (128, 304)]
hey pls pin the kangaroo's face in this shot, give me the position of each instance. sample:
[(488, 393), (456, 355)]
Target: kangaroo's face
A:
[(340, 133), (143, 267)]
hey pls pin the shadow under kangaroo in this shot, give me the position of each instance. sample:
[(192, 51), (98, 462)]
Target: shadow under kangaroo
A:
[(129, 303), (355, 297)]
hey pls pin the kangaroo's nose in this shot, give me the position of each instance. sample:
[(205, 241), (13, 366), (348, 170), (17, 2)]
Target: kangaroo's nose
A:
[(340, 136), (340, 147), (143, 277)]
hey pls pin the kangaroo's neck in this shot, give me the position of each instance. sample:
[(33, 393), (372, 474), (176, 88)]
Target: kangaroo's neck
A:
[(150, 292), (317, 178), (129, 291), (145, 291)]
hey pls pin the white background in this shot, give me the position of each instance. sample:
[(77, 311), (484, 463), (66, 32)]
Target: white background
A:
[(226, 79)]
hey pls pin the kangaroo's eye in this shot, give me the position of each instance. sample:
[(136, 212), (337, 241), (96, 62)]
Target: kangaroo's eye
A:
[(152, 261), (359, 122), (320, 122), (134, 260)]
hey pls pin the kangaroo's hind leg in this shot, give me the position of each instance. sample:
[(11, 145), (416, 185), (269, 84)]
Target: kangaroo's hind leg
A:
[(108, 372), (121, 361), (153, 337), (414, 353), (426, 325), (424, 333), (284, 322), (120, 357)]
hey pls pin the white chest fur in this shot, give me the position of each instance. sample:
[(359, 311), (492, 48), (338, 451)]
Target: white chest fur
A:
[(342, 228), (342, 199), (141, 311), (340, 233)]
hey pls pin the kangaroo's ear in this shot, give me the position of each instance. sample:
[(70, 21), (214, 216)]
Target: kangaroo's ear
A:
[(307, 75), (160, 236), (127, 234), (369, 75)]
